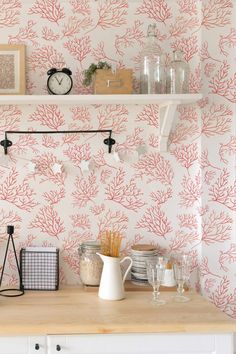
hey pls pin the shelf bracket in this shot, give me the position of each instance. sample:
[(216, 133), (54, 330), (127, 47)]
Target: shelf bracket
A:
[(167, 114)]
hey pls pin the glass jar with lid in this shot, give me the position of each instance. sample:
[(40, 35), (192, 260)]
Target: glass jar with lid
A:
[(177, 74), (90, 263), (152, 71)]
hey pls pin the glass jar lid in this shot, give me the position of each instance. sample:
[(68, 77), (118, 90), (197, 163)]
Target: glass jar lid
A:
[(91, 245)]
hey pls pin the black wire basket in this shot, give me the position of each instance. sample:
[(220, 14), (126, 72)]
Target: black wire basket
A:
[(39, 268)]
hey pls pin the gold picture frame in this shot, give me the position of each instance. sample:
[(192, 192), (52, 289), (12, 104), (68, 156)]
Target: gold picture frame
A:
[(12, 69)]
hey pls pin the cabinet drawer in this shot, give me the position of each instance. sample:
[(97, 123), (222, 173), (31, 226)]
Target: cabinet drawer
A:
[(141, 344), (23, 345)]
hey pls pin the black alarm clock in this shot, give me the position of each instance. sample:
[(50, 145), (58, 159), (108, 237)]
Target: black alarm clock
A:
[(59, 81)]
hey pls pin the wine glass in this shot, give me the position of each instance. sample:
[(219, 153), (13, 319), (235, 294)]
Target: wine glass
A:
[(182, 273), (155, 272)]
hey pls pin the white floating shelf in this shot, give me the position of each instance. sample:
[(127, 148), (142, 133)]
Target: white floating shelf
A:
[(168, 104), (98, 99)]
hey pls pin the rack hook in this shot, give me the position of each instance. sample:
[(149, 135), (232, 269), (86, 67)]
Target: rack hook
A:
[(6, 144), (109, 141)]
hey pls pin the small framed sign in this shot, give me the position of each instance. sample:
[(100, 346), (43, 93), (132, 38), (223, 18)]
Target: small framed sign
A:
[(12, 69)]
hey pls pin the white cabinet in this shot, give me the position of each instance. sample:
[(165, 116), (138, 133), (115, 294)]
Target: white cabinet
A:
[(23, 345), (119, 344), (141, 344)]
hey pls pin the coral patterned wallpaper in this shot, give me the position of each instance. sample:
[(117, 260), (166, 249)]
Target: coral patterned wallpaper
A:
[(63, 189)]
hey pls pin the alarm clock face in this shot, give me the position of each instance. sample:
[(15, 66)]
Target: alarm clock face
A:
[(59, 83)]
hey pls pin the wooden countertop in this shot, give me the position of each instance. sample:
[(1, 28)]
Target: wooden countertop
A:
[(75, 311)]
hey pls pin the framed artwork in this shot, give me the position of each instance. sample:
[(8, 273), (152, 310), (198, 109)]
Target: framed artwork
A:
[(12, 69)]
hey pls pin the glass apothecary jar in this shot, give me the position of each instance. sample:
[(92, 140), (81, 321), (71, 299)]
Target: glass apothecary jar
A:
[(90, 263), (177, 80), (152, 71)]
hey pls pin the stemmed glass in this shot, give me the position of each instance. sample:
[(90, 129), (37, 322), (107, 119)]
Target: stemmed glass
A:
[(182, 273), (155, 272)]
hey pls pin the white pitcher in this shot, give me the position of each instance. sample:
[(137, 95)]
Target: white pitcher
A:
[(112, 284)]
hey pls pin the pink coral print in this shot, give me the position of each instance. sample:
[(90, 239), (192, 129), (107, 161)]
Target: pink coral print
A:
[(23, 144), (10, 13), (188, 46), (228, 41), (186, 155), (48, 221), (155, 167), (54, 197), (182, 25), (223, 299), (205, 55), (8, 218), (126, 194), (81, 221), (132, 141), (75, 25), (133, 36), (187, 113), (18, 194), (79, 47), (223, 85), (188, 6), (150, 115), (9, 117), (49, 142), (182, 240), (116, 221), (44, 58), (49, 116), (195, 80), (155, 221), (25, 34), (182, 132), (49, 35), (100, 54), (81, 114), (229, 148), (188, 221), (209, 69), (111, 13), (224, 193), (161, 197), (228, 257), (81, 7), (157, 10), (191, 192), (44, 169), (205, 270), (78, 153), (216, 228), (86, 190), (216, 121), (97, 209), (70, 248), (48, 9), (114, 116), (216, 13)]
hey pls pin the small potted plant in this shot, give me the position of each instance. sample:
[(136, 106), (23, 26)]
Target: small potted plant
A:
[(107, 81), (90, 72)]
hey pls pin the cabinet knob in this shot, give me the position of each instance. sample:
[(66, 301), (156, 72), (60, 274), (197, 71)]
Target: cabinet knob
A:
[(36, 347), (58, 348)]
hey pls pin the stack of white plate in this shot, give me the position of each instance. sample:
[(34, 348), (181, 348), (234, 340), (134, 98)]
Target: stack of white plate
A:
[(140, 253)]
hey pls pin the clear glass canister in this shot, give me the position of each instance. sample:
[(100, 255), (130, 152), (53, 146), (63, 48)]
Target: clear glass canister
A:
[(152, 71), (90, 263), (177, 74)]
